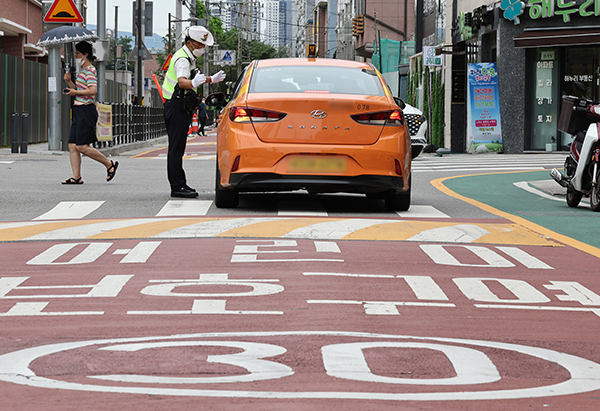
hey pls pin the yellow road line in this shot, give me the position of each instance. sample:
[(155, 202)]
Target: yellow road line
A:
[(148, 152), (277, 228), (148, 230), (439, 184), (19, 233), (507, 234)]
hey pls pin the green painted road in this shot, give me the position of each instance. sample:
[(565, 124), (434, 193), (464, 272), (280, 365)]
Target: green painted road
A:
[(499, 191)]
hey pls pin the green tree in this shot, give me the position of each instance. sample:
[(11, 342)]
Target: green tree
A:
[(123, 61), (259, 51), (282, 52)]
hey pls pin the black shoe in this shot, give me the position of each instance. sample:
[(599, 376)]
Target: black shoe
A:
[(189, 188), (184, 192)]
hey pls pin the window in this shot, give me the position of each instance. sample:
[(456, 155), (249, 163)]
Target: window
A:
[(316, 79)]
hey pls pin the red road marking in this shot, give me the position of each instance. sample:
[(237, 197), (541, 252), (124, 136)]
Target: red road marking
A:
[(166, 296)]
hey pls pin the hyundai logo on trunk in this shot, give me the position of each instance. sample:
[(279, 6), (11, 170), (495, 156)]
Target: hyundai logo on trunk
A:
[(319, 114)]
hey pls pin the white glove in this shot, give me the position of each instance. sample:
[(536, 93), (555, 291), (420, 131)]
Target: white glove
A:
[(218, 77), (198, 79)]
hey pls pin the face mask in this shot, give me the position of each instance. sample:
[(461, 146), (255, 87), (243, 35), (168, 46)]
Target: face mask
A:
[(198, 52), (80, 61)]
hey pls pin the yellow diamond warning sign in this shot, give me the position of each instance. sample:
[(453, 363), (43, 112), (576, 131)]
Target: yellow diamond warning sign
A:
[(63, 11)]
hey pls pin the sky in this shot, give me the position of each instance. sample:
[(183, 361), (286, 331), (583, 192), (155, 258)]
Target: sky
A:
[(160, 14)]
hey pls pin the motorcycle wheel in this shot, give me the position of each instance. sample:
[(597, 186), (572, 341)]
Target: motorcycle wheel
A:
[(595, 195), (573, 197)]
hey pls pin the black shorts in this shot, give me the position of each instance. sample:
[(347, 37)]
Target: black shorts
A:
[(83, 127)]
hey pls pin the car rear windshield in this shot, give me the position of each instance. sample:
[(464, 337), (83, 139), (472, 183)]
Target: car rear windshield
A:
[(316, 79)]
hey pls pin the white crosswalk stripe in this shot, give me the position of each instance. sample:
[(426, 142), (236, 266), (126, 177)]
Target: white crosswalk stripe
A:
[(185, 207), (487, 162), (422, 211), (71, 210)]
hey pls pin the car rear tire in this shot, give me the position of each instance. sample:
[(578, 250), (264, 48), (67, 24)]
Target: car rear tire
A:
[(573, 197), (398, 201), (224, 198)]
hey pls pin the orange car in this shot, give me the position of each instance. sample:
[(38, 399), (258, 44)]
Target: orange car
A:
[(323, 125)]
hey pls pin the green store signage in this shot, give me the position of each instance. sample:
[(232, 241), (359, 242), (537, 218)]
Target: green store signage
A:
[(543, 9)]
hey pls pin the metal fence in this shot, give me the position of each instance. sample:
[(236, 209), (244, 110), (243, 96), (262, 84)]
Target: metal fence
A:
[(135, 123), (23, 89)]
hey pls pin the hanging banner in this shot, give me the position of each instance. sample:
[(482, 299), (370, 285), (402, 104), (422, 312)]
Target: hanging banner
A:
[(104, 126), (484, 133)]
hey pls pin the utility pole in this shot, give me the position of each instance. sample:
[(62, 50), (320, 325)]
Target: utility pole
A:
[(116, 53), (239, 52), (141, 14), (101, 37), (177, 25), (206, 69)]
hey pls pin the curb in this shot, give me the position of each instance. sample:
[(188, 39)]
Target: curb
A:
[(42, 148)]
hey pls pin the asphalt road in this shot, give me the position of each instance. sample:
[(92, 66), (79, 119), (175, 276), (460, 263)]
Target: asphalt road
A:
[(113, 295)]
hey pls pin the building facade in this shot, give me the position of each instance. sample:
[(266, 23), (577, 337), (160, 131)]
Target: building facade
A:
[(232, 13), (383, 19), (20, 29), (540, 49), (302, 26), (277, 23)]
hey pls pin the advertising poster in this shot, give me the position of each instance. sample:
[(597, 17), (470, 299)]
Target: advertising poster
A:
[(483, 115), (104, 126)]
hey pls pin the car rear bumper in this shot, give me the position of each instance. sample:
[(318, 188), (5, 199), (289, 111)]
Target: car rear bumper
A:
[(323, 184)]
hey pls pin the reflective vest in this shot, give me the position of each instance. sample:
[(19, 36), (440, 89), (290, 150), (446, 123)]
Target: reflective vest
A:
[(171, 78)]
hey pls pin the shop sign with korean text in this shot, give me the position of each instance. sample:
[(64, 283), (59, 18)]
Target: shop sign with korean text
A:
[(430, 58), (484, 133), (543, 9)]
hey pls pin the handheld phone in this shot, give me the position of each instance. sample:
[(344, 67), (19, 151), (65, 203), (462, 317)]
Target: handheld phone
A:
[(66, 91)]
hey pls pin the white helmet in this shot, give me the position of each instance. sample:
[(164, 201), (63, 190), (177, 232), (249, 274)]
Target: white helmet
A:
[(200, 34)]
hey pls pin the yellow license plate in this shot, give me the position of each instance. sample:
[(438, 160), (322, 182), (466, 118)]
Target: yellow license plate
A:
[(318, 164)]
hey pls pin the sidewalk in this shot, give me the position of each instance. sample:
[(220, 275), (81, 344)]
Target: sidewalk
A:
[(42, 148)]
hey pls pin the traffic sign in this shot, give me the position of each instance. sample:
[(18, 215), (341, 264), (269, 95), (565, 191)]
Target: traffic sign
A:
[(63, 11), (165, 66), (225, 57)]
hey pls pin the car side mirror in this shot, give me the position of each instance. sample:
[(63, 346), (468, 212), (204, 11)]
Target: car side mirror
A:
[(400, 103), (216, 100)]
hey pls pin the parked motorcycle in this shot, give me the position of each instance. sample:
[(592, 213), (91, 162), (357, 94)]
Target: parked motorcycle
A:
[(580, 117)]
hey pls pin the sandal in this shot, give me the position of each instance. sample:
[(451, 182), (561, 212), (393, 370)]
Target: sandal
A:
[(72, 181), (111, 174)]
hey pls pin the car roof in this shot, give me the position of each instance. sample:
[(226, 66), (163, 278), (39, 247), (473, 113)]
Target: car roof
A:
[(313, 61)]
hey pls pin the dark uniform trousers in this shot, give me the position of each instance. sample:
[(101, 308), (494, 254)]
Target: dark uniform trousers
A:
[(178, 122)]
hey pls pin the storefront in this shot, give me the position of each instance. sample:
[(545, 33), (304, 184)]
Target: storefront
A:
[(556, 59), (541, 48)]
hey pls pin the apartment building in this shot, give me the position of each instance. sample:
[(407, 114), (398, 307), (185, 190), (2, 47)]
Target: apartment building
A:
[(277, 23)]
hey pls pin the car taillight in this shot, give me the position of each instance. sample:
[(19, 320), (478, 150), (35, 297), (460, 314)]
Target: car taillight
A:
[(246, 115), (387, 118), (236, 164), (398, 168)]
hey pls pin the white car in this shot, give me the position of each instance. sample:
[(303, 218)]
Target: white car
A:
[(417, 128)]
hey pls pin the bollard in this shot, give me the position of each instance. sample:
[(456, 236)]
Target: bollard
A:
[(15, 133), (24, 132)]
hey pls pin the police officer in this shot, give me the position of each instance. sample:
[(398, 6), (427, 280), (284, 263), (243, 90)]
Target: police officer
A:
[(177, 115)]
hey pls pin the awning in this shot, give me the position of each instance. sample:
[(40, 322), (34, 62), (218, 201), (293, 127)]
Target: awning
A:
[(10, 28), (552, 36)]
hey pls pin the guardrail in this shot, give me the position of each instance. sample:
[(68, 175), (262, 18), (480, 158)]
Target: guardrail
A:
[(134, 123)]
